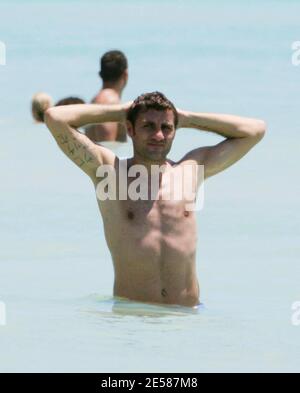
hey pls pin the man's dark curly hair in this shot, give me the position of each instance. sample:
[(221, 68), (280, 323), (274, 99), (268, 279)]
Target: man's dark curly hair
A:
[(155, 100)]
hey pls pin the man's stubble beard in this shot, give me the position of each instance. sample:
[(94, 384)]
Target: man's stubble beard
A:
[(153, 156)]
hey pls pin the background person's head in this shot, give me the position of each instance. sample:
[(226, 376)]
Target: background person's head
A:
[(39, 104), (151, 123), (70, 101), (114, 68), (42, 101)]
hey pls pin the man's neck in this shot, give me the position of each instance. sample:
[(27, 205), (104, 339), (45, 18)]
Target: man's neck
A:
[(136, 160), (116, 86)]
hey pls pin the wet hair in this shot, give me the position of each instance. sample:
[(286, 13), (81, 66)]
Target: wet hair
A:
[(42, 101), (155, 100), (70, 101), (113, 64)]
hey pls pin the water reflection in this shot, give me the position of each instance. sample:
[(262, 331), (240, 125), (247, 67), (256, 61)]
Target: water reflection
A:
[(116, 306)]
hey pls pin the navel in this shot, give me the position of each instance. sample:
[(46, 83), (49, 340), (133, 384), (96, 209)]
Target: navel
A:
[(186, 213), (164, 292)]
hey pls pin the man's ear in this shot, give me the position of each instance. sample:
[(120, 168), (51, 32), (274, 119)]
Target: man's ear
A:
[(130, 128), (125, 77)]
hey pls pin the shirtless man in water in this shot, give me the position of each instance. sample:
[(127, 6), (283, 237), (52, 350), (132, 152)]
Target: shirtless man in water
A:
[(152, 242), (114, 76)]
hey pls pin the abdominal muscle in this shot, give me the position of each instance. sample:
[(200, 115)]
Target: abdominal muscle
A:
[(152, 266)]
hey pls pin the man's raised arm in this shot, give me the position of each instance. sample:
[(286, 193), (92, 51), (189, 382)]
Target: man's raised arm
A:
[(241, 135), (63, 122)]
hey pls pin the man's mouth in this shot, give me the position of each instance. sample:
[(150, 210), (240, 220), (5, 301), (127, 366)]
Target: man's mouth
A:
[(155, 145)]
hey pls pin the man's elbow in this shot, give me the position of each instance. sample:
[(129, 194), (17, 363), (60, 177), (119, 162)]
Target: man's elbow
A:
[(52, 120), (260, 129), (50, 116), (257, 129)]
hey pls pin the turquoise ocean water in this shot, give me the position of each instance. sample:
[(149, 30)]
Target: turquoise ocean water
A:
[(56, 275)]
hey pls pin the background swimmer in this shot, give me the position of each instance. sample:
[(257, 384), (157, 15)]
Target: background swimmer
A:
[(114, 75), (43, 101)]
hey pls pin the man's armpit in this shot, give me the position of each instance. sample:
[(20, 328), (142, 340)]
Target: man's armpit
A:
[(197, 156)]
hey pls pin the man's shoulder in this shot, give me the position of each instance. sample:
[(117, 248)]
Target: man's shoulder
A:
[(106, 96), (194, 157)]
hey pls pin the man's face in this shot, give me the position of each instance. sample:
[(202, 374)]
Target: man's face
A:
[(153, 134)]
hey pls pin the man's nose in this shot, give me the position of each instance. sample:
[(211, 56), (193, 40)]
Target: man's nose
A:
[(158, 135)]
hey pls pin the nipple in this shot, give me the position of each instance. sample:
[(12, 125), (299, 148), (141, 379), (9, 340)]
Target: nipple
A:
[(130, 215)]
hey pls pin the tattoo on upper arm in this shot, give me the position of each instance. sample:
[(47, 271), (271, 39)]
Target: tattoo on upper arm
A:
[(76, 150), (63, 139)]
